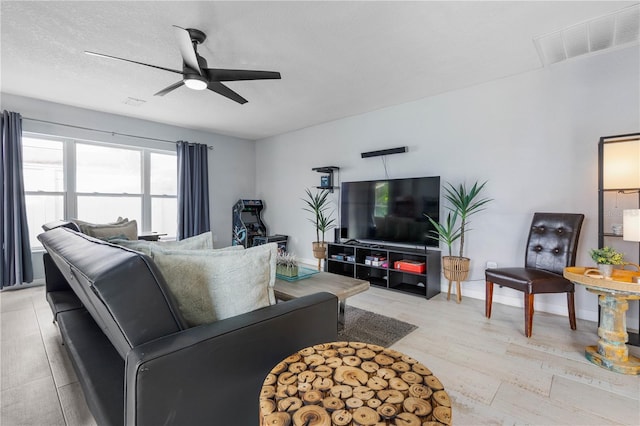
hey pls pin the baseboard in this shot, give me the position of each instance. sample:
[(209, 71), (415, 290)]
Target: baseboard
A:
[(36, 283), (509, 297)]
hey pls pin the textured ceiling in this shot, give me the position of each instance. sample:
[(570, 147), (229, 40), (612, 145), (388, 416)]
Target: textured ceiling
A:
[(337, 59)]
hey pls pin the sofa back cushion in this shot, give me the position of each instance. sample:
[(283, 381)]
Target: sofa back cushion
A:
[(121, 288)]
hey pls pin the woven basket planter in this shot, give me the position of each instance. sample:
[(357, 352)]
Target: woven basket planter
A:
[(319, 250), (456, 269)]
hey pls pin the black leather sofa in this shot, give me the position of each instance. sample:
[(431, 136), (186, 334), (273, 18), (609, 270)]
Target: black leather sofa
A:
[(136, 360)]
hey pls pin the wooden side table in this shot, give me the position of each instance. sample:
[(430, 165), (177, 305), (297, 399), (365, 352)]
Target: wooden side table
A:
[(352, 383), (611, 352)]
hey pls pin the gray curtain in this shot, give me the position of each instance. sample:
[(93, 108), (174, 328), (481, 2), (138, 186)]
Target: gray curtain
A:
[(16, 267), (193, 189)]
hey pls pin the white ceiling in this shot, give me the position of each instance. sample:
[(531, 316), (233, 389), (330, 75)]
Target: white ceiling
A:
[(337, 59)]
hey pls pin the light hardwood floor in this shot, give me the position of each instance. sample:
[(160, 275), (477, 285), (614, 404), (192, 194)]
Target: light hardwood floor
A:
[(493, 373)]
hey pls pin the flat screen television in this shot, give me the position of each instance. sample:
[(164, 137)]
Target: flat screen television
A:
[(390, 210)]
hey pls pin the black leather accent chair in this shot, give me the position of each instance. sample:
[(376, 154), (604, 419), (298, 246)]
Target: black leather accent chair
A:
[(552, 243)]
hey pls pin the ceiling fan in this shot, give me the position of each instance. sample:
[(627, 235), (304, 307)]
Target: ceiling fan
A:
[(195, 74)]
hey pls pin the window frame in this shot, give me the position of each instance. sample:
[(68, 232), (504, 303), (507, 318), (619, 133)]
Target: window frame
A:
[(69, 168)]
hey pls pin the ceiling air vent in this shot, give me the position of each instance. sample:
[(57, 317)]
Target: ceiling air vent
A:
[(614, 30), (133, 101)]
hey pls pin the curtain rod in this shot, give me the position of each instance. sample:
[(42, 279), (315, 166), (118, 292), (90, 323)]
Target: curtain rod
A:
[(104, 131)]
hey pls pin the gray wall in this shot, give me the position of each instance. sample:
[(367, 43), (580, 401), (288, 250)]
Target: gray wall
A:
[(532, 136), (231, 162)]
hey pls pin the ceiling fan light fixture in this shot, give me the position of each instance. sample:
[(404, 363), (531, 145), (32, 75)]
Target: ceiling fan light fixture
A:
[(195, 82)]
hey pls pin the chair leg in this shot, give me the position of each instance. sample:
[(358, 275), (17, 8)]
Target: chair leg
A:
[(572, 309), (528, 314), (488, 299)]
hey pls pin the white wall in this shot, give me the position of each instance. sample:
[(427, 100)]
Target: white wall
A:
[(532, 136), (231, 162)]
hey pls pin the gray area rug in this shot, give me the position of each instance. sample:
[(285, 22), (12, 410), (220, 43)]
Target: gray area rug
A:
[(369, 327)]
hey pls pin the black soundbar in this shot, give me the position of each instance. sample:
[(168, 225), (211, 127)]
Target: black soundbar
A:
[(398, 150)]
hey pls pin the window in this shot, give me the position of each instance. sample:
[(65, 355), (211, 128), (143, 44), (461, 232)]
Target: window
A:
[(42, 165), (98, 183), (108, 183), (164, 190)]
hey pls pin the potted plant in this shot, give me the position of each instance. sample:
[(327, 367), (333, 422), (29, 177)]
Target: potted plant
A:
[(447, 233), (317, 205), (606, 257), (287, 265), (464, 202)]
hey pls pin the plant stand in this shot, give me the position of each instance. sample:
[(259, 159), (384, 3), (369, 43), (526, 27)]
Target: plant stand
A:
[(455, 269)]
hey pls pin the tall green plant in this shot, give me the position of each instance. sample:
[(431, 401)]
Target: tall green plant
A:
[(447, 233), (317, 205), (465, 203), (325, 223)]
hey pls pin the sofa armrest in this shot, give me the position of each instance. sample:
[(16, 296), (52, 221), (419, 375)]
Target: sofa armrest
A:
[(212, 374)]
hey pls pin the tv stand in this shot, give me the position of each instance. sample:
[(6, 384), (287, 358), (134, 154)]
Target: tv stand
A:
[(350, 259)]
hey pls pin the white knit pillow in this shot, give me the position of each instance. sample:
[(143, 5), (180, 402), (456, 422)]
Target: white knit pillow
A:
[(123, 230), (202, 241), (210, 285)]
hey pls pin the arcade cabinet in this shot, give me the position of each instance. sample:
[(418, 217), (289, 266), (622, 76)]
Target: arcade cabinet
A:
[(247, 223)]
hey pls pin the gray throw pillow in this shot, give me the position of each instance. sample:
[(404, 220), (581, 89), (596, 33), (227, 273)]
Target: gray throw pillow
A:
[(210, 285)]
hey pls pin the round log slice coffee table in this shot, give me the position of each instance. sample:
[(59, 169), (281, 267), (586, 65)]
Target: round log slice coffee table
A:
[(352, 384)]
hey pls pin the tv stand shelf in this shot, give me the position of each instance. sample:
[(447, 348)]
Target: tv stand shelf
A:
[(351, 260)]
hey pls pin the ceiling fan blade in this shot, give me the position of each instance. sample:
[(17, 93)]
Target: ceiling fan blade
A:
[(133, 62), (217, 74), (223, 90), (186, 48), (170, 88)]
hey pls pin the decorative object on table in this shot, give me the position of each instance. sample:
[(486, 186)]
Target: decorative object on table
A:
[(463, 204), (303, 273), (551, 245), (352, 383), (318, 206), (606, 257), (286, 265)]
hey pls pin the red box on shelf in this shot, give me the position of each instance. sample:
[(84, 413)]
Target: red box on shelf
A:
[(410, 266)]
